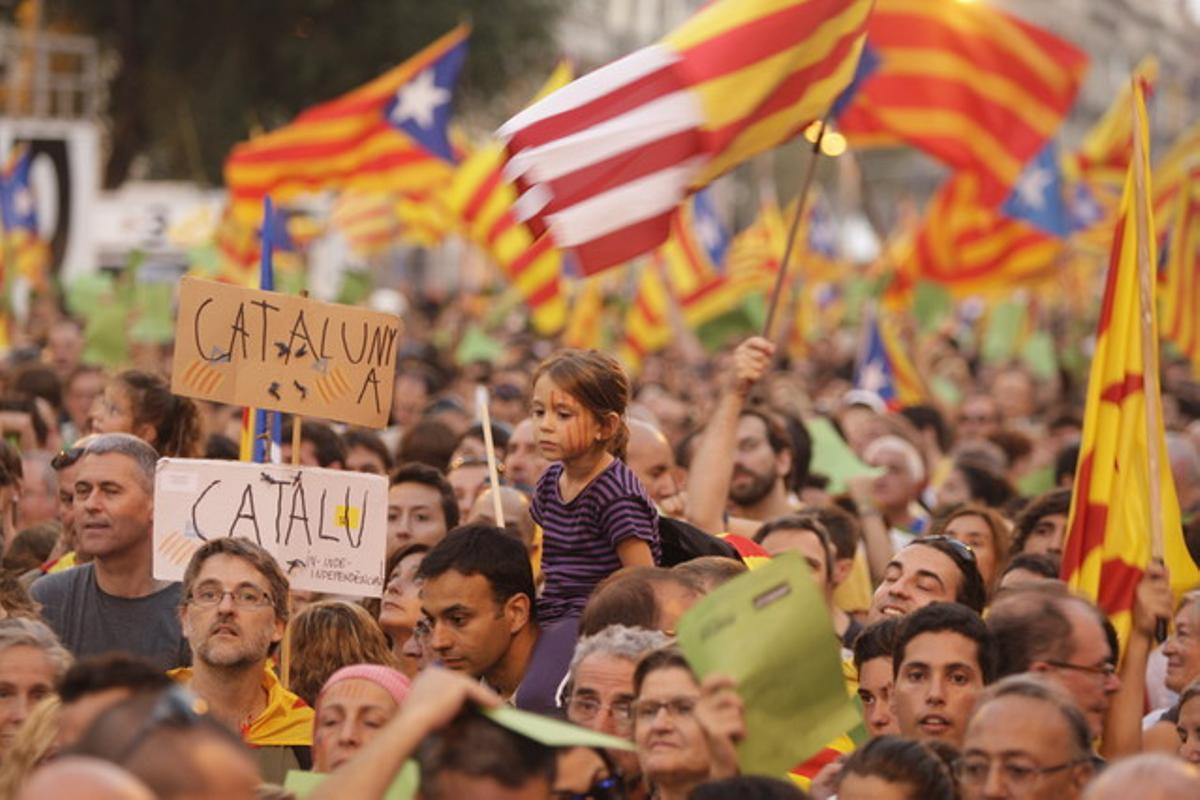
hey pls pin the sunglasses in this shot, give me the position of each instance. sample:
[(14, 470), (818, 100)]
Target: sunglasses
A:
[(176, 707), (66, 458), (963, 550)]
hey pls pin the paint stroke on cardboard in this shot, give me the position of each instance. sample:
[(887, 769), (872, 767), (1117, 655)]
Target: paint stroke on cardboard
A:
[(249, 347), (326, 528)]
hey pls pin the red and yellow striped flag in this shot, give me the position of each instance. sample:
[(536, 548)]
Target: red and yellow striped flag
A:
[(1109, 541), (1181, 281), (585, 328), (976, 88), (647, 323), (352, 140)]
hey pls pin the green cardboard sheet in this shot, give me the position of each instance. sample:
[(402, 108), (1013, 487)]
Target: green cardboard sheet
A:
[(770, 630), (832, 457)]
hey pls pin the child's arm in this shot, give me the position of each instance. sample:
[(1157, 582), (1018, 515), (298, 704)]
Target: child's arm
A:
[(634, 552)]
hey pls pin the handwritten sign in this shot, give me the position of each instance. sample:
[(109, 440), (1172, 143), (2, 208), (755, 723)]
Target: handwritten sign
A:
[(248, 347), (327, 528)]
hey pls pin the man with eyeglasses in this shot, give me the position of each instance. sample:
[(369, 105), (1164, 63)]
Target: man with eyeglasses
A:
[(1025, 740), (114, 602), (599, 692), (234, 614), (1042, 628)]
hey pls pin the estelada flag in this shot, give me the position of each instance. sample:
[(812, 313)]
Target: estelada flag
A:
[(390, 134), (1108, 544)]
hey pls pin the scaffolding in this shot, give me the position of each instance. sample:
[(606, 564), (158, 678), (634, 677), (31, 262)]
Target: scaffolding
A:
[(49, 75)]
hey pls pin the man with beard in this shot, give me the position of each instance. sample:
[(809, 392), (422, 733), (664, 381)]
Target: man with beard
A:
[(234, 613), (745, 456)]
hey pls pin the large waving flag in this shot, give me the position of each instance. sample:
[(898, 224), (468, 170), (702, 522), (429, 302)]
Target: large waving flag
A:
[(1170, 174), (973, 249), (390, 134), (1181, 280), (972, 86), (1108, 542), (693, 260), (604, 162)]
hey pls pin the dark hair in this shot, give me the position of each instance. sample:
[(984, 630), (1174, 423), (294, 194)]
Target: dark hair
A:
[(1015, 444), (778, 438), (175, 419), (15, 599), (903, 761), (1055, 501), (404, 552), (877, 640), (473, 745), (710, 571), (327, 445), (220, 447), (31, 547), (985, 485), (1030, 623), (670, 657), (1047, 565), (485, 550), (1065, 462), (500, 435), (972, 592), (950, 618), (252, 554), (426, 475), (429, 442), (368, 440), (805, 521), (801, 446), (96, 674), (627, 597), (597, 381), (923, 417), (38, 380), (748, 787), (843, 527)]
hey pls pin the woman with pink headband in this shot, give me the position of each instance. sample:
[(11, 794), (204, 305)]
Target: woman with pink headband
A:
[(353, 705)]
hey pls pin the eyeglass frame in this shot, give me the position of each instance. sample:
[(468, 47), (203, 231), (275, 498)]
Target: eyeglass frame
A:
[(267, 599), (1035, 773), (963, 548), (671, 706), (1109, 670)]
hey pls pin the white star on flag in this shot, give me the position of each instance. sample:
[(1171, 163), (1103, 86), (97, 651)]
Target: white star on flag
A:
[(1032, 186), (418, 99), (872, 377), (23, 202)]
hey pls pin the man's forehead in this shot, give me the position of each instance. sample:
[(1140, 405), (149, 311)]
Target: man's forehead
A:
[(229, 569), (942, 647), (917, 557), (1017, 724), (454, 588), (604, 671)]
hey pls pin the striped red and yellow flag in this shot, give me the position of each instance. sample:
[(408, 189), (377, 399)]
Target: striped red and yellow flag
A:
[(647, 323), (483, 199), (1170, 173), (1103, 155), (1108, 542), (972, 86), (585, 328), (697, 283), (366, 220), (973, 249), (1180, 285), (346, 142)]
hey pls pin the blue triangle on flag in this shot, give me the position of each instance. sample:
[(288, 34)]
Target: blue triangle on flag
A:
[(1037, 197)]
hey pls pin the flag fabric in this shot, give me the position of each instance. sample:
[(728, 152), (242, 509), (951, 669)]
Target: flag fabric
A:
[(24, 251), (972, 249), (884, 368), (389, 134), (1180, 281), (757, 251), (974, 87), (368, 221), (585, 327), (604, 162), (1170, 173), (1108, 542), (647, 322), (484, 200), (262, 430), (693, 259), (1103, 157)]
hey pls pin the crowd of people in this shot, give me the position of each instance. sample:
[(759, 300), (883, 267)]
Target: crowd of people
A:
[(978, 672)]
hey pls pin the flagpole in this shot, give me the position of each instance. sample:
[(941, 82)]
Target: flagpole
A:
[(1150, 386), (801, 202)]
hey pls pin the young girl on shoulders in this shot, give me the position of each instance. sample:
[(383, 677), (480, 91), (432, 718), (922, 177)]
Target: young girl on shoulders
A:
[(595, 514)]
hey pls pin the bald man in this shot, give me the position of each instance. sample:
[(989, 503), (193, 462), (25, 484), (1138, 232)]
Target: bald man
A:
[(651, 458), (515, 506), (82, 778), (1150, 776)]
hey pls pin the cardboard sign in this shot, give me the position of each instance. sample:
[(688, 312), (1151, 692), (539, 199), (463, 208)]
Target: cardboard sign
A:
[(248, 347), (327, 528)]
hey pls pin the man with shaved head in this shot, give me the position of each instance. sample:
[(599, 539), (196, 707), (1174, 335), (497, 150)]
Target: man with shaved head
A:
[(651, 458), (1149, 776)]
